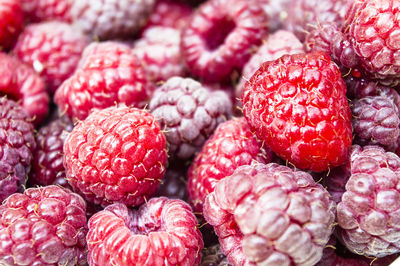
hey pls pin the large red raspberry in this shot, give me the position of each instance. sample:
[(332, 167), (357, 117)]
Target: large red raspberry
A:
[(116, 155), (11, 22), (53, 49), (20, 83), (43, 226), (40, 10), (189, 113), (107, 73), (233, 144), (270, 215), (161, 232), (111, 19), (221, 36), (298, 106)]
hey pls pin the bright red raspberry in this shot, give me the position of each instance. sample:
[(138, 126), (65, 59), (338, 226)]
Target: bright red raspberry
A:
[(161, 232), (233, 144), (116, 155), (41, 10), (221, 36), (43, 226), (20, 83), (270, 215), (11, 22), (298, 106), (52, 49), (107, 73), (111, 19)]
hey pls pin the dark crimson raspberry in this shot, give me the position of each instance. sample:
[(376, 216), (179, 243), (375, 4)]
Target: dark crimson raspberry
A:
[(221, 36), (17, 143), (20, 83), (107, 73), (298, 106), (161, 232), (111, 19), (160, 53), (304, 15), (270, 215), (173, 185), (116, 155), (369, 213), (43, 226), (213, 256), (47, 165), (169, 13), (52, 49), (276, 11), (40, 10), (278, 44), (189, 113), (233, 144), (11, 22)]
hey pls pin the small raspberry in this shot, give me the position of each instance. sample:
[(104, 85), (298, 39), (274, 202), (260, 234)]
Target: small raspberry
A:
[(11, 22), (189, 113), (368, 214), (42, 10), (173, 185), (160, 53), (270, 215), (220, 37), (298, 106), (107, 73), (20, 83), (17, 142), (213, 256), (52, 49), (116, 155), (111, 19), (233, 144), (47, 165), (43, 226), (161, 232)]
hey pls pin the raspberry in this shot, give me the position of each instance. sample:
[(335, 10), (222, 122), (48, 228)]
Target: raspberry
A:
[(298, 106), (11, 22), (335, 181), (276, 11), (20, 83), (270, 215), (43, 226), (173, 185), (161, 232), (278, 44), (213, 256), (111, 19), (220, 37), (116, 155), (40, 10), (47, 165), (189, 113), (368, 214), (107, 73), (233, 144), (17, 143), (160, 53), (53, 49)]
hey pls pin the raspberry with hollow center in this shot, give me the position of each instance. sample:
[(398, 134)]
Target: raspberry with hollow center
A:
[(161, 232), (116, 155)]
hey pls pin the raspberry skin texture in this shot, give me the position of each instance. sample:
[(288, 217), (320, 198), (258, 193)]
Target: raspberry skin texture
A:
[(11, 22), (298, 106), (233, 144), (107, 73), (162, 232), (116, 155), (213, 256), (221, 36), (277, 12), (52, 49), (47, 164), (43, 226), (111, 19), (160, 53), (17, 143), (270, 215), (45, 10), (189, 113), (20, 83)]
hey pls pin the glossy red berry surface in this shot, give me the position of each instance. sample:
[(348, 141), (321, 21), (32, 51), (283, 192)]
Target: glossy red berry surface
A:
[(11, 22)]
